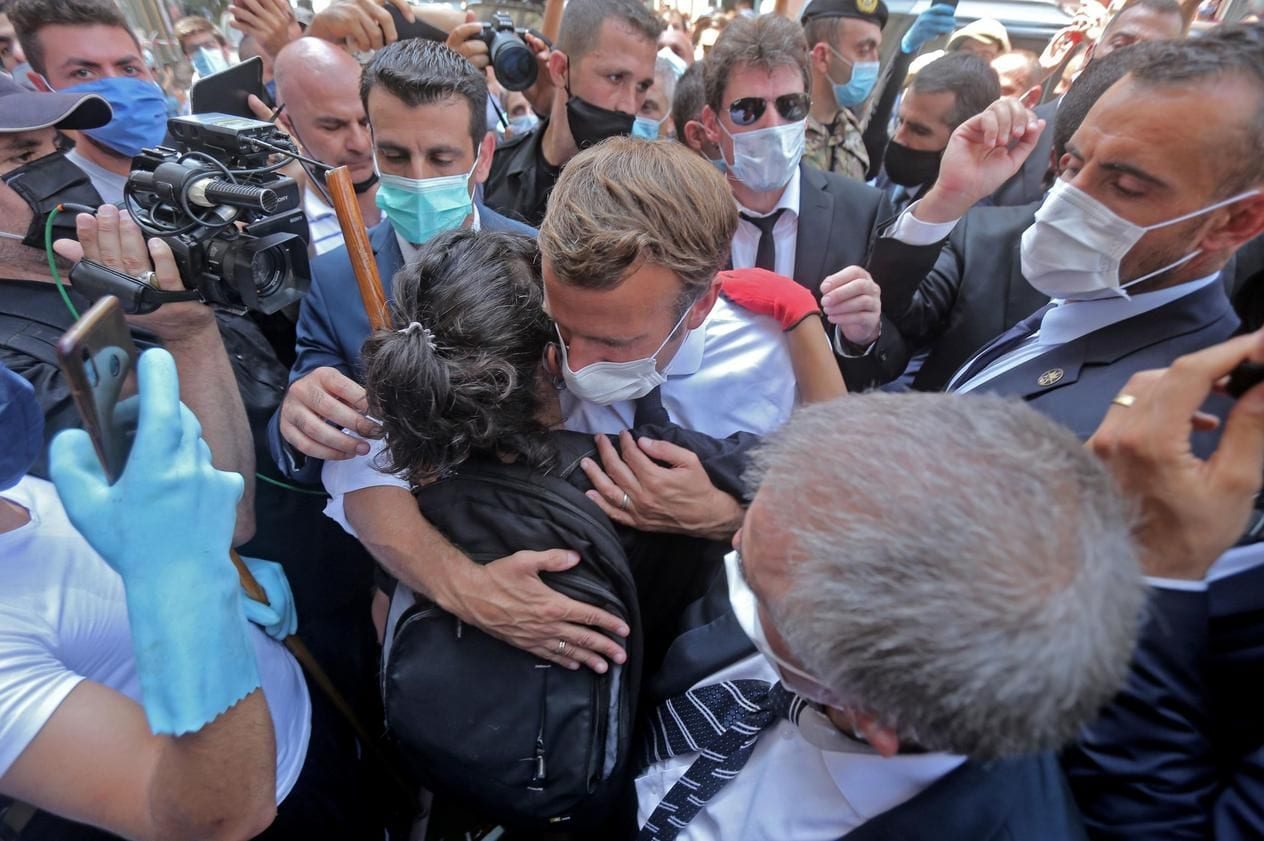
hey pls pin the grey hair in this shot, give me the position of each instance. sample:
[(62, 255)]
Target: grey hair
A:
[(962, 568)]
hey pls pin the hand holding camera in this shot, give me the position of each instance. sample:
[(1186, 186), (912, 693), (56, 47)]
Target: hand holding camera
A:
[(114, 240)]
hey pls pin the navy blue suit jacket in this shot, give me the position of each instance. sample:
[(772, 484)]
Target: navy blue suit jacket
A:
[(1074, 383), (332, 322)]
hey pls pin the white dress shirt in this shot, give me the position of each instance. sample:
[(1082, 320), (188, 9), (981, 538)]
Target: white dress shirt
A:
[(785, 233), (322, 222), (789, 789), (731, 374), (1067, 321)]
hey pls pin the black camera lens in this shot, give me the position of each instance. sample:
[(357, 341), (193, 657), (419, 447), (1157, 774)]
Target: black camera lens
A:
[(514, 63), (265, 272)]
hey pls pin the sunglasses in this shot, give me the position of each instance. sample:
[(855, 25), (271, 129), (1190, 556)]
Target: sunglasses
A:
[(791, 106)]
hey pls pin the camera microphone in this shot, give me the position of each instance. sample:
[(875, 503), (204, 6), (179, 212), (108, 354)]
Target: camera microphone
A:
[(211, 192)]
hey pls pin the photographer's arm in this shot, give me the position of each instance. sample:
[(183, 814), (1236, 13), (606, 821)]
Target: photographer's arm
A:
[(189, 332)]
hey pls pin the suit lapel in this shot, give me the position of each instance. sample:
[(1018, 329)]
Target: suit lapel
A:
[(386, 250), (1061, 366), (816, 219)]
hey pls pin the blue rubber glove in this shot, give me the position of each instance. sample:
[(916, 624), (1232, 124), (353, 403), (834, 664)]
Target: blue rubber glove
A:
[(278, 618), (939, 19), (165, 526)]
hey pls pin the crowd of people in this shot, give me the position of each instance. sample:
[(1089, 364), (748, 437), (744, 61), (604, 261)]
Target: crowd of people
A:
[(704, 476)]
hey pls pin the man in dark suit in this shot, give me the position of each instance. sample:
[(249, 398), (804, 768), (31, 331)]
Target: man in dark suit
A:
[(1145, 20), (427, 108), (950, 298), (795, 219), (1179, 753), (922, 722)]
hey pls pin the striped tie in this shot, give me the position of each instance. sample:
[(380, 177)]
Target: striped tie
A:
[(721, 723)]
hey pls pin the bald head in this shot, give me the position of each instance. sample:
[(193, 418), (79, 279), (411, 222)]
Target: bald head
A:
[(309, 59), (319, 85)]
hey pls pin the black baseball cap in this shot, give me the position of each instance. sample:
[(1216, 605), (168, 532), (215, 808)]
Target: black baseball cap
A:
[(22, 109), (874, 11)]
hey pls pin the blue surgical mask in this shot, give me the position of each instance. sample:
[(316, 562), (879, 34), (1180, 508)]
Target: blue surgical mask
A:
[(207, 61), (524, 123), (645, 128), (421, 209), (21, 428), (140, 113), (864, 75), (720, 164)]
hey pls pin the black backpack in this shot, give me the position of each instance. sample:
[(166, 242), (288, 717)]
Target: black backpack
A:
[(526, 743)]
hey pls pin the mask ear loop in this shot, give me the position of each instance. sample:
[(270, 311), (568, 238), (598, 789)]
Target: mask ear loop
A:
[(1121, 291)]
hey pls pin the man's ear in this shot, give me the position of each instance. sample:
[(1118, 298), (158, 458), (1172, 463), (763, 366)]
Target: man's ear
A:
[(819, 58), (710, 125), (882, 739), (559, 69), (486, 150), (702, 306), (1245, 222), (695, 136)]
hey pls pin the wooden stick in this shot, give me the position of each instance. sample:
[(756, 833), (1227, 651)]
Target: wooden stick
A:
[(356, 237), (552, 23), (321, 678)]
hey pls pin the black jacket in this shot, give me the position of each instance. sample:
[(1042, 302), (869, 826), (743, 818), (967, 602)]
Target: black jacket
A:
[(950, 298), (520, 180)]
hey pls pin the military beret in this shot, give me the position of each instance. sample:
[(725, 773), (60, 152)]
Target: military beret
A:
[(874, 11)]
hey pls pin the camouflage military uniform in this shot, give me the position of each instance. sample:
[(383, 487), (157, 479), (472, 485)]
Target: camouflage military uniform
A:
[(838, 148)]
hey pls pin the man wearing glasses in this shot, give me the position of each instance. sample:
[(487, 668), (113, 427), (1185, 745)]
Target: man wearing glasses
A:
[(795, 219)]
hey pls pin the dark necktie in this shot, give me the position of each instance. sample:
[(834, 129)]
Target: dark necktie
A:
[(650, 411), (766, 254), (721, 723), (998, 347)]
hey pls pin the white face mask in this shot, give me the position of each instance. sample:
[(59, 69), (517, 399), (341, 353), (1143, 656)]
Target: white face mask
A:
[(611, 382), (1076, 244), (765, 159), (746, 609)]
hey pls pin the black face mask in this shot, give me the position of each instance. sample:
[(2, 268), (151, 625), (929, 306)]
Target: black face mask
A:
[(591, 124), (911, 167), (45, 183)]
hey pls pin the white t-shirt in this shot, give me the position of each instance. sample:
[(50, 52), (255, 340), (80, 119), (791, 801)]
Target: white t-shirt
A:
[(63, 619)]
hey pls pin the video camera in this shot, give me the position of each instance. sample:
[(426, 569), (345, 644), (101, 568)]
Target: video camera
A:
[(512, 59), (235, 225)]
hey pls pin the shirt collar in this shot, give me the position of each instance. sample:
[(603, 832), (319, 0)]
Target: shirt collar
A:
[(789, 198), (410, 251), (1067, 321)]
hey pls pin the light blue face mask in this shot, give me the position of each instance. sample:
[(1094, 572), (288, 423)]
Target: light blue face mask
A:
[(421, 209), (523, 123), (140, 113), (645, 128), (208, 61), (864, 75)]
